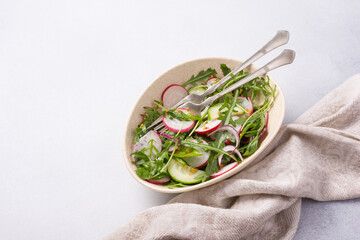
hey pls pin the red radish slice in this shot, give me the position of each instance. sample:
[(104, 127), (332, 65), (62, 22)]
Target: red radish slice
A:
[(208, 126), (212, 81), (198, 161), (266, 118), (224, 169), (160, 181), (144, 142), (263, 131), (176, 125), (231, 130), (229, 148), (247, 105), (172, 148), (172, 95)]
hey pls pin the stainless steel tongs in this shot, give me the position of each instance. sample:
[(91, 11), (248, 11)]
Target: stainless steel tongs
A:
[(194, 101)]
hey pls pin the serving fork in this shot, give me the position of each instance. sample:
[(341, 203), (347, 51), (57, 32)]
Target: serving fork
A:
[(194, 101)]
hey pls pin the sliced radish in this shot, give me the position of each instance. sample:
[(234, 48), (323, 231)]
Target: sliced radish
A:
[(229, 148), (172, 148), (208, 126), (266, 118), (198, 161), (263, 131), (225, 169), (212, 81), (172, 95), (144, 142), (176, 125), (160, 181), (230, 130), (247, 105)]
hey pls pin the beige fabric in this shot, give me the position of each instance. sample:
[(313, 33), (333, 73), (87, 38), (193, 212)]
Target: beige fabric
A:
[(318, 157)]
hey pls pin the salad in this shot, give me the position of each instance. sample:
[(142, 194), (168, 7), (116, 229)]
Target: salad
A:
[(191, 149)]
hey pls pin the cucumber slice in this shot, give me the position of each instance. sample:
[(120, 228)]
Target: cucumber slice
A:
[(182, 173), (198, 89), (214, 111)]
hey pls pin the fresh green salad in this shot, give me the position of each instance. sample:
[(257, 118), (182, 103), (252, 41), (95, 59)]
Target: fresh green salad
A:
[(191, 149)]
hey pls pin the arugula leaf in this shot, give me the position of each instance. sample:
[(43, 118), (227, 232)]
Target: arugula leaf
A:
[(225, 69), (150, 115), (187, 152), (212, 165), (201, 77), (140, 156), (175, 113), (143, 173), (174, 184), (252, 147)]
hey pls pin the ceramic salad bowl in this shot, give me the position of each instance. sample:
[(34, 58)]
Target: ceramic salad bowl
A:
[(178, 75)]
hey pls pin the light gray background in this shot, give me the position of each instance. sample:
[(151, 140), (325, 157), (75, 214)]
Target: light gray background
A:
[(70, 72)]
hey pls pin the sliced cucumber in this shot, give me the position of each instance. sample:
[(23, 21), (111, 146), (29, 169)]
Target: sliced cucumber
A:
[(198, 89), (214, 111), (182, 173)]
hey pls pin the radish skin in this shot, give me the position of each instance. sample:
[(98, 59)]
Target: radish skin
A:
[(144, 142), (160, 181), (172, 95), (198, 161), (208, 126), (212, 81), (176, 125), (247, 105), (225, 169)]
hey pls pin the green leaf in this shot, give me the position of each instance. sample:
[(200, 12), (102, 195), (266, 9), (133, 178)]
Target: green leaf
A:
[(200, 77), (187, 152), (212, 165), (225, 69), (252, 147), (141, 156), (143, 173)]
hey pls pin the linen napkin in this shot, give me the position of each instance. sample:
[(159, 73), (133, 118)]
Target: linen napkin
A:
[(317, 156)]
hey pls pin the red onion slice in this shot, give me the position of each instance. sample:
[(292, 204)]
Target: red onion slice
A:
[(232, 131), (229, 148), (168, 136)]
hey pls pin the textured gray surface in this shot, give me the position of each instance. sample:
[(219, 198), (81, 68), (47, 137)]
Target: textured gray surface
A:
[(329, 220), (65, 96)]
